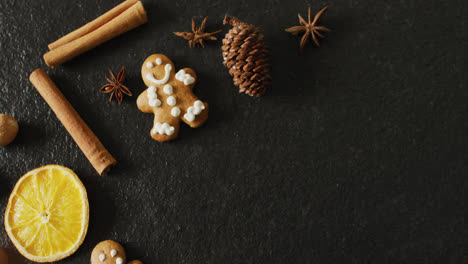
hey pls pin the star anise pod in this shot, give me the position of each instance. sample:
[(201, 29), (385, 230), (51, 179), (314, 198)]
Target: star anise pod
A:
[(199, 35), (115, 86), (310, 27)]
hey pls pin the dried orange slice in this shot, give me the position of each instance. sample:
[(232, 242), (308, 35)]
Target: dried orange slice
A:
[(47, 214)]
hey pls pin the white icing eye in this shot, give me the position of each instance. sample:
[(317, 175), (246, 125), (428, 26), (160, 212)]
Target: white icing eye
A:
[(113, 253), (119, 260), (158, 61), (189, 117), (151, 89), (171, 100), (199, 104), (168, 89), (175, 111), (155, 103), (102, 257), (149, 65)]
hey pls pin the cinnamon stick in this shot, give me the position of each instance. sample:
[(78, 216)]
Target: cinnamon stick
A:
[(88, 142), (78, 43), (93, 25)]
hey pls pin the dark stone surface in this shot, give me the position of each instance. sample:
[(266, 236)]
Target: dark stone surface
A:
[(358, 154)]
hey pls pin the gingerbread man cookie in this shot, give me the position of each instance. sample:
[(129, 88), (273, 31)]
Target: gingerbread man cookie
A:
[(169, 96), (110, 252)]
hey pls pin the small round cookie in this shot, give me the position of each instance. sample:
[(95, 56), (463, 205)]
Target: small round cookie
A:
[(108, 252), (3, 256), (135, 262)]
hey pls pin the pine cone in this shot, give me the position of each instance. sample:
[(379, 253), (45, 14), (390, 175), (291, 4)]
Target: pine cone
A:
[(246, 57)]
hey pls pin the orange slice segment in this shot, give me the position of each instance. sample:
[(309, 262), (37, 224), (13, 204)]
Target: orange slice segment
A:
[(47, 214)]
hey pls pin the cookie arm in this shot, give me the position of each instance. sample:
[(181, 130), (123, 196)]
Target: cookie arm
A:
[(195, 117), (194, 111), (143, 104)]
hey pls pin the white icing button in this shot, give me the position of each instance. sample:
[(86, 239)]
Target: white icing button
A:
[(119, 261), (163, 129), (170, 131), (189, 80), (113, 252), (151, 89), (155, 103), (102, 257), (168, 89), (189, 117), (196, 110), (149, 65), (171, 100), (199, 104), (158, 61), (175, 111), (190, 110), (156, 128), (152, 96)]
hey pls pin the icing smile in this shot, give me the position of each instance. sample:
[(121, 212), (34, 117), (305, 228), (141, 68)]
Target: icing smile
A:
[(167, 69)]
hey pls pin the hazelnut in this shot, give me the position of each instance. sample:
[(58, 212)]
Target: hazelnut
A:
[(8, 129)]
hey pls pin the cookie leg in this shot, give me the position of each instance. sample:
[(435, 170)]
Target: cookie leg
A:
[(165, 127)]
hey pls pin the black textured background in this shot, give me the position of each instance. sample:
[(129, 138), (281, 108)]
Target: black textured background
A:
[(358, 153)]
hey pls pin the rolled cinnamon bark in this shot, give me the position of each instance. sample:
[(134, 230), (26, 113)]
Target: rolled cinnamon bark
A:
[(129, 19), (93, 25), (88, 142)]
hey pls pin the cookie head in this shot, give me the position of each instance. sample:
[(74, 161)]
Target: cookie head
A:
[(108, 252), (157, 69)]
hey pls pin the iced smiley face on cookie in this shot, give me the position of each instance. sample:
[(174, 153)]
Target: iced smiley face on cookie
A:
[(170, 98), (110, 252)]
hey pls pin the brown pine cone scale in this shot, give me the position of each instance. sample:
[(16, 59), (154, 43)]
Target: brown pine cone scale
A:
[(246, 57)]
